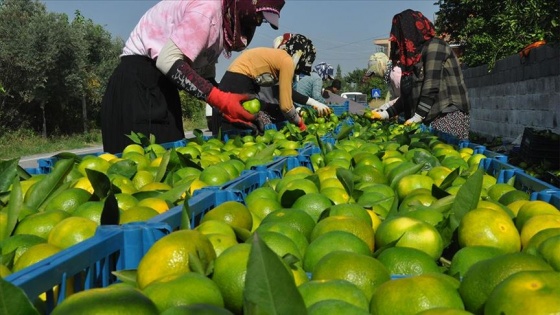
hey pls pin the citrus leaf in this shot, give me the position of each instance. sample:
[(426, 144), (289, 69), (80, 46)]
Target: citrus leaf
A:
[(269, 287), (290, 196), (126, 276), (266, 155), (345, 131), (467, 198), (347, 179), (22, 173), (126, 168), (100, 183), (448, 181), (241, 233), (14, 301), (8, 170), (443, 204), (195, 264), (162, 169), (110, 213), (186, 161), (14, 206), (185, 217), (45, 187), (412, 169), (438, 192)]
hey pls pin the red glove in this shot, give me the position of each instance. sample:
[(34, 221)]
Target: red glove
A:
[(302, 125), (229, 104)]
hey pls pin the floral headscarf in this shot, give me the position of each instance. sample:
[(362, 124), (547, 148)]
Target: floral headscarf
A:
[(300, 48), (241, 19), (409, 32)]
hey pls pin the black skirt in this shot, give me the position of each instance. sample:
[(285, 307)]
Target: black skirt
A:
[(139, 98)]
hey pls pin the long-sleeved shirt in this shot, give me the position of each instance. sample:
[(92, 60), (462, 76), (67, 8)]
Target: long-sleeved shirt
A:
[(257, 61), (438, 85), (311, 86)]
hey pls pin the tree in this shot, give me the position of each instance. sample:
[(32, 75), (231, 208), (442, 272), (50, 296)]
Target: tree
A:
[(490, 30)]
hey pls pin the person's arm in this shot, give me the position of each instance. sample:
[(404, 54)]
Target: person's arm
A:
[(433, 55), (317, 90), (177, 68)]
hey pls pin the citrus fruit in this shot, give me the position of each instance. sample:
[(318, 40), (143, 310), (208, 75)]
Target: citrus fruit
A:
[(364, 271), (155, 186), (411, 295), (140, 160), (526, 292), (157, 204), (171, 255), (407, 261), (221, 242), (94, 163), (229, 273), (538, 223), (315, 291), (185, 289), (532, 208), (444, 311), (409, 232), (71, 231), (35, 254), (417, 199), (465, 257), (292, 190), (488, 227), (314, 204), (512, 196), (482, 277), (439, 173), (233, 213), (515, 206), (261, 207), (369, 174), (137, 213), (496, 191), (430, 216), (126, 301), (41, 223), (335, 307), (351, 210), (214, 175), (279, 243), (332, 241), (68, 200), (90, 210), (125, 200), (260, 193), (538, 238), (288, 230), (133, 148), (196, 309), (142, 178), (336, 195), (411, 182), (358, 227), (549, 250), (215, 227), (296, 218), (18, 244)]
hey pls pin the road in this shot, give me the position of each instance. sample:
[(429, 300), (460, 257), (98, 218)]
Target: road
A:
[(31, 160)]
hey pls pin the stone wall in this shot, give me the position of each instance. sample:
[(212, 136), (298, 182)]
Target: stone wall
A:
[(517, 93)]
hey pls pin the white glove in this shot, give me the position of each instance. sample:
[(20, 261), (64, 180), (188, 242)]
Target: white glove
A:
[(321, 108), (415, 119), (380, 115)]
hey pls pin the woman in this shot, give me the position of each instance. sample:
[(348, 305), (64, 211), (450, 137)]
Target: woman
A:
[(380, 66), (432, 88), (176, 45), (268, 73)]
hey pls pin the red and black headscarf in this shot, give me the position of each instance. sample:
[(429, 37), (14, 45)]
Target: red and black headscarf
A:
[(410, 30), (241, 18)]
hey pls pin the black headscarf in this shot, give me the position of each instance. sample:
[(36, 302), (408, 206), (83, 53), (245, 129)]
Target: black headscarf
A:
[(299, 46)]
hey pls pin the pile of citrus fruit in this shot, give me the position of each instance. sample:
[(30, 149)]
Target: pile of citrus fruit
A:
[(386, 219)]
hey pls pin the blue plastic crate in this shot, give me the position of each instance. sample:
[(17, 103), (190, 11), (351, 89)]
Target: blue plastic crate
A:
[(339, 109), (90, 263), (309, 149), (496, 168), (285, 163), (477, 148), (525, 182), (550, 196), (495, 155)]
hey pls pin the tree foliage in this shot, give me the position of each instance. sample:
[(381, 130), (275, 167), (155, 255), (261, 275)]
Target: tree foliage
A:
[(491, 30)]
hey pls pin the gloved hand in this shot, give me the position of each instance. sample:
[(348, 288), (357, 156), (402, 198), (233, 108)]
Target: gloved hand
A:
[(229, 104), (383, 107), (293, 117), (302, 125), (415, 119), (380, 115), (322, 109)]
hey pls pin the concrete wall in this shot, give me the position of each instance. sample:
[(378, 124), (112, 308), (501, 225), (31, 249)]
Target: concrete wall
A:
[(517, 93)]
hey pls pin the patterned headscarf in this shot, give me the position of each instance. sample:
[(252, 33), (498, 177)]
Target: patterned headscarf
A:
[(409, 32), (300, 48), (241, 19), (325, 71)]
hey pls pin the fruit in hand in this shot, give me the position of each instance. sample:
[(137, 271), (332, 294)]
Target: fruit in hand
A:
[(252, 106)]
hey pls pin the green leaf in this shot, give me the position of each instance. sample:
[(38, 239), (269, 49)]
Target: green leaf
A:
[(110, 214), (290, 196), (126, 168), (175, 194), (269, 286), (45, 187), (126, 276), (14, 206), (162, 169), (8, 170), (185, 217), (100, 183), (195, 264), (345, 131), (448, 181), (347, 179), (241, 233), (267, 154), (14, 301), (438, 192), (412, 169)]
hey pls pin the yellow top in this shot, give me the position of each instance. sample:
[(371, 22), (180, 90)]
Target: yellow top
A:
[(278, 62)]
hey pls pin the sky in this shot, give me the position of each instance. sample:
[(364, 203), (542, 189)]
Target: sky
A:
[(342, 31)]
